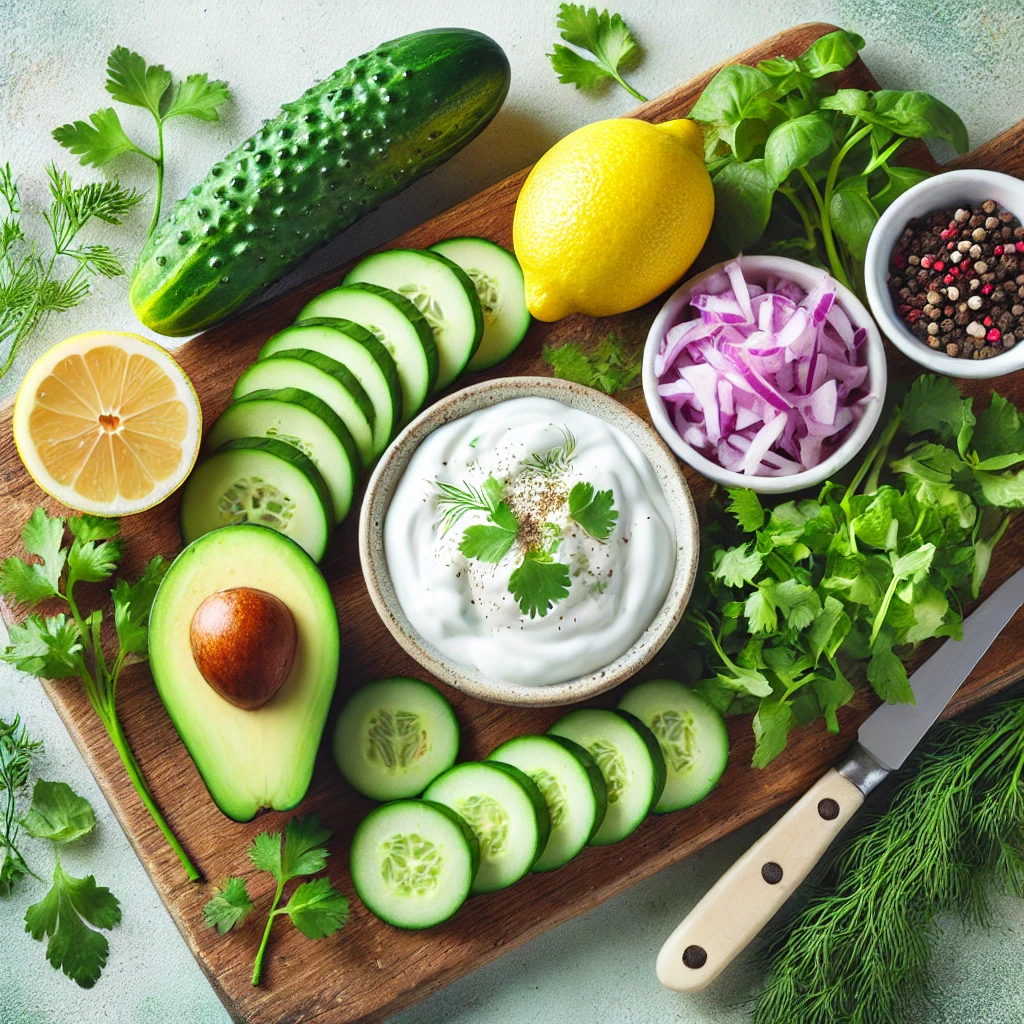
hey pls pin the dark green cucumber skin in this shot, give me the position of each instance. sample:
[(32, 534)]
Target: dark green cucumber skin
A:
[(359, 137)]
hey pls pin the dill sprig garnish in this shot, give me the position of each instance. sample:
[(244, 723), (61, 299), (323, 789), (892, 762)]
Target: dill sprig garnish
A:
[(453, 502), (860, 952), (556, 460), (17, 749)]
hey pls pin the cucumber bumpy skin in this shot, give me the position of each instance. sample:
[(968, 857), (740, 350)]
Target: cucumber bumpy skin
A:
[(359, 137)]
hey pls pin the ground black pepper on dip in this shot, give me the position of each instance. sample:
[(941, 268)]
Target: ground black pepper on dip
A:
[(956, 280)]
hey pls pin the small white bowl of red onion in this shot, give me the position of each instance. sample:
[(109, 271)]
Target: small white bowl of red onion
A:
[(765, 373)]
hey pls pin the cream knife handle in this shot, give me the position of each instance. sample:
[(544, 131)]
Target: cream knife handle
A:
[(748, 895)]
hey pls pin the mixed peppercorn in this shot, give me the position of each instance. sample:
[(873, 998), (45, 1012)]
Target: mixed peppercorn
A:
[(956, 278)]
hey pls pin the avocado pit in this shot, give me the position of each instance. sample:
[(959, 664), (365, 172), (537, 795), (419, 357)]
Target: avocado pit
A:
[(243, 642)]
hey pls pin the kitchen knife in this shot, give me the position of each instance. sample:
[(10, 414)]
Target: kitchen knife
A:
[(748, 895)]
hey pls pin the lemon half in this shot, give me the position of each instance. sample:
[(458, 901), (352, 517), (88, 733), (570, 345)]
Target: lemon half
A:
[(107, 423)]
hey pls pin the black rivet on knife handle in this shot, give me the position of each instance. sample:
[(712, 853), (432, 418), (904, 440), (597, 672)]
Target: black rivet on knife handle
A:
[(695, 957), (771, 872), (828, 809)]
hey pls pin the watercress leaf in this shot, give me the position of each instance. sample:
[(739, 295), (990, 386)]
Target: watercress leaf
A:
[(918, 115), (746, 508), (934, 404), (794, 144), (488, 543), (62, 916), (130, 80), (229, 906), (852, 102), (772, 723), (830, 53), (734, 94), (829, 629), (49, 647), (197, 97), (96, 141), (1004, 490), (760, 610), (58, 813), (743, 203), (132, 603), (92, 561), (833, 692), (86, 527), (999, 430), (538, 583), (593, 510), (574, 69), (604, 35), (738, 565), (853, 215), (265, 854), (303, 852), (899, 180), (317, 909), (798, 602), (887, 673)]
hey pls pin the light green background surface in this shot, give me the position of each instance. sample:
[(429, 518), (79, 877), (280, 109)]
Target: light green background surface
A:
[(598, 968)]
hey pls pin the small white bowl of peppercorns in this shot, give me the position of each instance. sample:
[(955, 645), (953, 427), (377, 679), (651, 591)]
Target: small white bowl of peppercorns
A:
[(944, 273)]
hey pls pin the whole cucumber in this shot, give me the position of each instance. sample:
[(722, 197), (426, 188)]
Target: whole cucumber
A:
[(359, 137)]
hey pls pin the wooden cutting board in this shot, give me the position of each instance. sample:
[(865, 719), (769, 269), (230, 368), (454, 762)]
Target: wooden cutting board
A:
[(369, 970)]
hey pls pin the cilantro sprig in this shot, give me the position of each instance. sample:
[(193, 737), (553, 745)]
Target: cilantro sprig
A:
[(608, 366), (68, 644), (798, 598), (132, 81), (316, 908), (605, 36)]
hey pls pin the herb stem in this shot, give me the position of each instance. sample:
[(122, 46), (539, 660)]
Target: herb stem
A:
[(838, 270), (625, 85), (159, 161), (257, 967), (805, 217)]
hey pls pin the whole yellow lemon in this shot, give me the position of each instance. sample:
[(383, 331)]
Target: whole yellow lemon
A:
[(611, 216)]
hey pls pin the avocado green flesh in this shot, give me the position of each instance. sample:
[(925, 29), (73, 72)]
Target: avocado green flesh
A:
[(355, 139), (248, 759)]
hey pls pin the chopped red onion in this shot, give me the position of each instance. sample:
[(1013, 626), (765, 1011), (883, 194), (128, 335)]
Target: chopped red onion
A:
[(765, 381)]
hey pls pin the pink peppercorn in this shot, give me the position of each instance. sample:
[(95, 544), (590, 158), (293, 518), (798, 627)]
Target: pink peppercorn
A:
[(926, 262), (1019, 246), (987, 322), (993, 335), (986, 289), (998, 250), (948, 279)]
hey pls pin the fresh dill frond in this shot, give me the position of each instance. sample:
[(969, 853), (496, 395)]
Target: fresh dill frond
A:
[(17, 749), (453, 502), (860, 952), (556, 460)]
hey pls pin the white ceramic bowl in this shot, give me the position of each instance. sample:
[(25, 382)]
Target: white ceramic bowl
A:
[(757, 269), (954, 188)]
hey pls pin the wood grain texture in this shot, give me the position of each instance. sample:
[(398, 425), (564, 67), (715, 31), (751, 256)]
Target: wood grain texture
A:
[(369, 970)]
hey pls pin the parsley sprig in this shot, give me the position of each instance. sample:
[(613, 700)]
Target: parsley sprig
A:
[(798, 598), (37, 281), (608, 366), (316, 908), (605, 36), (130, 80), (68, 645)]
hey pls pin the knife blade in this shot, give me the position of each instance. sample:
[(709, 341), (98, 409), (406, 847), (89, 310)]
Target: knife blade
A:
[(748, 895)]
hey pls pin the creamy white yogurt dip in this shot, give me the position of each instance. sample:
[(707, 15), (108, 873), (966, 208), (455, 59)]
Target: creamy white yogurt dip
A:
[(501, 479)]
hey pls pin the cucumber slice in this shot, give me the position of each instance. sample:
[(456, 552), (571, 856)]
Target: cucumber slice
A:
[(441, 291), (506, 812), (691, 734), (303, 421), (321, 376), (397, 324), (413, 862), (394, 737), (259, 480), (498, 280), (359, 351), (572, 786), (630, 761)]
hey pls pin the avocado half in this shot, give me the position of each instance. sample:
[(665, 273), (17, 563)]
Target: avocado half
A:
[(264, 757)]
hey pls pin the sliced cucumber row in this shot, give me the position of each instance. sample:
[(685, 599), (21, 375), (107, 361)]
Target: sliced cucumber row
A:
[(533, 805)]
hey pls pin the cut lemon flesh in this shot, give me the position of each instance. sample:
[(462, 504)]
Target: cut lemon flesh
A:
[(107, 423)]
